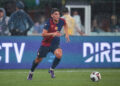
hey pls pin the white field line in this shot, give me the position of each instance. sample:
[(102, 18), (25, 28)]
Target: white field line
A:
[(60, 71)]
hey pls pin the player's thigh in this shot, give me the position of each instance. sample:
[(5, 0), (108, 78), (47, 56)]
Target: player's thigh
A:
[(58, 52), (42, 52)]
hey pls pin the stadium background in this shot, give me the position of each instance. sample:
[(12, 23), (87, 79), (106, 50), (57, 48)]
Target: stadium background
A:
[(73, 63)]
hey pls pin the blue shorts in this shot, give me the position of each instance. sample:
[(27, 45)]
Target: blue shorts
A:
[(43, 51)]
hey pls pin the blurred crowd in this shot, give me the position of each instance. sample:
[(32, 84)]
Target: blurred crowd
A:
[(20, 22), (105, 23)]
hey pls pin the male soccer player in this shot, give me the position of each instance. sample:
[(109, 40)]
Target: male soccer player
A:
[(51, 40)]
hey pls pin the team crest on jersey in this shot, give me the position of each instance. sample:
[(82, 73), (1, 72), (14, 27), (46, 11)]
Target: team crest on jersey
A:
[(56, 28)]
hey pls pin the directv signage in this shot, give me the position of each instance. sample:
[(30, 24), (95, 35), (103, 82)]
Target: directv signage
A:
[(80, 52)]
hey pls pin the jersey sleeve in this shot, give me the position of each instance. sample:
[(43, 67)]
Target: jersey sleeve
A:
[(47, 25), (64, 22)]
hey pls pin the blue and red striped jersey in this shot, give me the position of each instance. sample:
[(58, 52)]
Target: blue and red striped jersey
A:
[(50, 26)]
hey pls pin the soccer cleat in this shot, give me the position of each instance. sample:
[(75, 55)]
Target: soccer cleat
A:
[(51, 72), (30, 76)]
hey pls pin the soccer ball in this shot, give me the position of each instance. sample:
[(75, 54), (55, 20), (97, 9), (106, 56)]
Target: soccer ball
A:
[(95, 76)]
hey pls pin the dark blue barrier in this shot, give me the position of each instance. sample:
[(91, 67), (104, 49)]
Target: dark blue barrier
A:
[(81, 52)]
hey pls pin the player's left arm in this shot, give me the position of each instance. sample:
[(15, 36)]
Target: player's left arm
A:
[(66, 32)]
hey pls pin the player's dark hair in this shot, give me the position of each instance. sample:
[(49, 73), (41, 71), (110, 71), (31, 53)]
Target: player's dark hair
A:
[(54, 10), (65, 10)]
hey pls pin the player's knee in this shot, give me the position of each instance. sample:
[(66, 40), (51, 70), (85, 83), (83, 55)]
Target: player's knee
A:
[(59, 55), (38, 60)]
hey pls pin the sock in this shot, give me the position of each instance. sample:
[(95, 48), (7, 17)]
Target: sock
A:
[(55, 63), (34, 65)]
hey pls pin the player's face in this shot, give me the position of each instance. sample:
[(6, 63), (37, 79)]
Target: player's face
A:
[(55, 15)]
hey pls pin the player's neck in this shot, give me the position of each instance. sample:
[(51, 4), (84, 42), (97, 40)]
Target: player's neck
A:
[(55, 21)]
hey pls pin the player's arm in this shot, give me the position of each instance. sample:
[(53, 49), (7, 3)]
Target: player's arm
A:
[(45, 33), (66, 32), (46, 28)]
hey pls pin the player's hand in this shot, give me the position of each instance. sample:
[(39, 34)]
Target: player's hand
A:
[(56, 34), (67, 38)]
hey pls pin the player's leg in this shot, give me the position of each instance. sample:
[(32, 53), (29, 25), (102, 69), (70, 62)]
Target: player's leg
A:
[(58, 54), (34, 65), (41, 53)]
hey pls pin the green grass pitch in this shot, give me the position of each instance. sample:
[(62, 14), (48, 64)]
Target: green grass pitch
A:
[(64, 77)]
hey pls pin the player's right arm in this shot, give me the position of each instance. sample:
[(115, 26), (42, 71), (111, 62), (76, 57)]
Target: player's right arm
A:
[(46, 28), (45, 33)]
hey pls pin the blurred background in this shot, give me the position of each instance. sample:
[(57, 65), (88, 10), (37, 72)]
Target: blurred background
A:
[(94, 45), (97, 17), (97, 45)]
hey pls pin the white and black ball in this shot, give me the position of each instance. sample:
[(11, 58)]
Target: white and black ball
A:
[(95, 76)]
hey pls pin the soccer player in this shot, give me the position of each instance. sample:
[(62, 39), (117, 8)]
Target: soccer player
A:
[(51, 41)]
